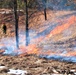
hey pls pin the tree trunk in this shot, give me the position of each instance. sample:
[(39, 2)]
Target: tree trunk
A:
[(27, 29), (44, 2), (16, 23)]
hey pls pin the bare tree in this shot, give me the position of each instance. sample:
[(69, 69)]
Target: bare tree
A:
[(27, 29), (16, 23)]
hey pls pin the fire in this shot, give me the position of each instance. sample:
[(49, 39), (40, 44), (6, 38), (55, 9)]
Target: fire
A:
[(31, 49), (71, 54), (62, 27)]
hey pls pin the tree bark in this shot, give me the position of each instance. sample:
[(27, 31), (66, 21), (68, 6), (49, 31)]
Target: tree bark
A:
[(27, 29), (16, 23)]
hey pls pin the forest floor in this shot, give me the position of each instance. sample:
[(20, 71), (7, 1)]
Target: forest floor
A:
[(33, 64), (36, 66)]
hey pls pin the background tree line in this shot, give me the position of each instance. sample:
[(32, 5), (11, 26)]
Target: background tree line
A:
[(31, 3), (9, 3)]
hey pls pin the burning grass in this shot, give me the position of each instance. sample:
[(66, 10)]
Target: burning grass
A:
[(48, 40)]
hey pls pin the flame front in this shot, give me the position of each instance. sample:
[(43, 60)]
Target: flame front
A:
[(31, 49), (62, 27)]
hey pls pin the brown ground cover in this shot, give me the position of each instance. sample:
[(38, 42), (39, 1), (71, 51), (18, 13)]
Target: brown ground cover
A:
[(36, 66)]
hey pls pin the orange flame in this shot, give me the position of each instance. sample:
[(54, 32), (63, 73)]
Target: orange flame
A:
[(31, 49), (62, 27), (71, 54)]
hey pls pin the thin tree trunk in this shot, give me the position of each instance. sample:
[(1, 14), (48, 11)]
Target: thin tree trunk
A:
[(45, 14), (27, 29), (16, 23)]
